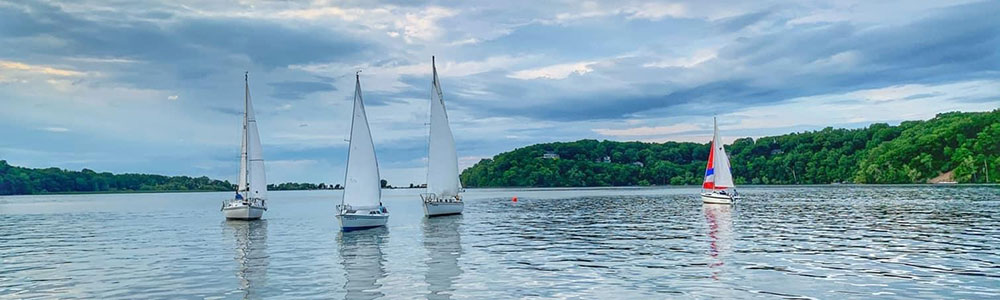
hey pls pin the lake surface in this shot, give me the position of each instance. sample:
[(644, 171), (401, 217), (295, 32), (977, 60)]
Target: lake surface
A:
[(827, 242)]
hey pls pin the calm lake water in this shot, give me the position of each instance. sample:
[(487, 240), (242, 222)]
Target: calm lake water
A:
[(829, 242)]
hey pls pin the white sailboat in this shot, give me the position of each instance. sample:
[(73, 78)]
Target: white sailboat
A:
[(443, 186), (361, 206), (250, 201), (718, 187)]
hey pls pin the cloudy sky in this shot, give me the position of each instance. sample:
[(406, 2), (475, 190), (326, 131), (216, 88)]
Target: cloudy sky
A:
[(157, 86)]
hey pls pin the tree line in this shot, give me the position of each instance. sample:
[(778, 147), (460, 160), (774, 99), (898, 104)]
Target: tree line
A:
[(19, 180), (16, 180), (966, 144)]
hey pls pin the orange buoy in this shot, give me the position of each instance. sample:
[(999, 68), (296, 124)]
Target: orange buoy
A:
[(514, 199)]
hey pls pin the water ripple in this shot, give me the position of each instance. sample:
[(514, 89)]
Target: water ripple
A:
[(852, 242)]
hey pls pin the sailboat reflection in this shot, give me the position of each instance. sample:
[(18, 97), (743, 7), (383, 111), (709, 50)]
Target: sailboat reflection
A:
[(251, 255), (361, 252), (720, 234), (444, 247)]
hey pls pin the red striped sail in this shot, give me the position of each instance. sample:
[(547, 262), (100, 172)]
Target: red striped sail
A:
[(710, 170)]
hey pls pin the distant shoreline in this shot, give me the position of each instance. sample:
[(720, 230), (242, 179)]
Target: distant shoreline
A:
[(176, 191), (993, 185)]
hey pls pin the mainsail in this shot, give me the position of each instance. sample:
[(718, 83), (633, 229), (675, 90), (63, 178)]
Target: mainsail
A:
[(442, 160), (252, 181), (362, 187), (717, 172)]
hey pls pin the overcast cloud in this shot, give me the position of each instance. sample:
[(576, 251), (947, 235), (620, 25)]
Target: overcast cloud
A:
[(156, 86)]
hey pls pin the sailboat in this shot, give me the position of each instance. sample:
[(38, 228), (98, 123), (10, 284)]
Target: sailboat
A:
[(250, 201), (718, 187), (361, 206), (443, 186)]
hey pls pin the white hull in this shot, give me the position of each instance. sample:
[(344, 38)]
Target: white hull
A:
[(243, 212), (435, 208), (361, 220), (713, 198)]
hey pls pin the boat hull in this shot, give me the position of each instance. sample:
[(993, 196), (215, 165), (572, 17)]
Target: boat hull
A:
[(243, 212), (356, 221), (435, 208), (713, 198)]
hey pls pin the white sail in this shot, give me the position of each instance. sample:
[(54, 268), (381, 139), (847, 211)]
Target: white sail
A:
[(362, 187), (442, 160), (252, 182), (723, 176), (255, 158)]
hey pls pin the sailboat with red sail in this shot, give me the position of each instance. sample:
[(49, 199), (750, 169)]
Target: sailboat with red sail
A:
[(718, 187)]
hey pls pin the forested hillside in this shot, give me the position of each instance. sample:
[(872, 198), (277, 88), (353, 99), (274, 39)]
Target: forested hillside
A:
[(18, 180), (912, 152), (965, 144)]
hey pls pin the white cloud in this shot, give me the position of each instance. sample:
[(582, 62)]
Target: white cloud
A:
[(906, 102), (656, 11), (896, 92), (11, 66), (172, 97), (695, 59), (448, 68), (631, 10), (56, 129), (825, 16), (103, 60), (414, 24), (648, 131), (559, 71), (388, 78), (422, 25), (467, 41)]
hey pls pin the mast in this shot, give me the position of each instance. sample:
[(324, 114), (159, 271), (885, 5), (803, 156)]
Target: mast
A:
[(430, 128), (243, 182), (246, 127), (715, 141)]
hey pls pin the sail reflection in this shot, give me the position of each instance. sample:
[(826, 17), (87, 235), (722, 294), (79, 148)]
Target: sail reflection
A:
[(720, 234), (361, 252), (251, 255), (444, 247)]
